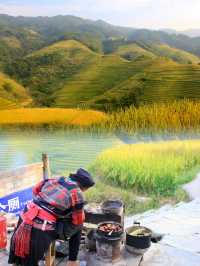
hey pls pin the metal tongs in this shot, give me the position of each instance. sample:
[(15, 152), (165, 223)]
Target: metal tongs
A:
[(110, 233)]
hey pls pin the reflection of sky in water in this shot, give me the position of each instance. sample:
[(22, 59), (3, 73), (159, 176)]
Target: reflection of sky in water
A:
[(19, 159), (66, 151)]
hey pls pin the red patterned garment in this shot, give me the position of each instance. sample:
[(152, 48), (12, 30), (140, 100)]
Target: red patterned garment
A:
[(62, 195), (52, 199)]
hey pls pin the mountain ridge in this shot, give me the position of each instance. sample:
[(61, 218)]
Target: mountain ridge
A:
[(67, 61)]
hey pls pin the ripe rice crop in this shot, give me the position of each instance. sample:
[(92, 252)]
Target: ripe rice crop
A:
[(154, 168), (173, 117), (51, 116), (160, 118)]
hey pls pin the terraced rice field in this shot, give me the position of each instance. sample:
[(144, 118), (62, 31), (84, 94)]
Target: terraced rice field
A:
[(160, 80), (168, 82), (103, 74)]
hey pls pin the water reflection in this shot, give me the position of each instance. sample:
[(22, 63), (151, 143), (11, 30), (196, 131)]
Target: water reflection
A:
[(67, 151)]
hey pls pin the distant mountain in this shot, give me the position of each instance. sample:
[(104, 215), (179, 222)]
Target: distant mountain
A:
[(169, 31), (97, 35), (66, 61), (193, 33)]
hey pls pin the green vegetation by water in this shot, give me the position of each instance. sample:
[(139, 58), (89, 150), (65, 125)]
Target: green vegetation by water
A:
[(135, 202), (157, 168), (154, 170)]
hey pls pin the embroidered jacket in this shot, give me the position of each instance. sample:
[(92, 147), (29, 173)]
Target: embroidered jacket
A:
[(61, 197)]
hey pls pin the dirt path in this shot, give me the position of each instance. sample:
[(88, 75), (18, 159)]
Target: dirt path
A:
[(193, 188)]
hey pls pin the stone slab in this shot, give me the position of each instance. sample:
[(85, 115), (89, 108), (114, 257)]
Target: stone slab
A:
[(127, 260)]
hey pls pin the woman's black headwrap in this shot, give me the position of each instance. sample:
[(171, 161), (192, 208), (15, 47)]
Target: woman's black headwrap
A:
[(83, 178)]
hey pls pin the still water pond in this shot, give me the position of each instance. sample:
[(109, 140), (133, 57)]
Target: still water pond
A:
[(67, 151)]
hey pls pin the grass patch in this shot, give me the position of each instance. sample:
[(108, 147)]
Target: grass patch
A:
[(135, 202), (145, 176), (152, 168)]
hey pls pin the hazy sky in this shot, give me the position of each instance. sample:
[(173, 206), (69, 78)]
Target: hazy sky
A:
[(177, 14)]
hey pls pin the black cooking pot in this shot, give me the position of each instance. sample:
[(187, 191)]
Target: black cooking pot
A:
[(112, 206), (107, 234), (138, 241)]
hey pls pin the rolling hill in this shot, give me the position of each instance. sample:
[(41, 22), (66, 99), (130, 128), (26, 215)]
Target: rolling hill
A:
[(66, 61), (133, 51), (97, 35), (100, 77), (161, 81), (12, 94), (16, 42), (152, 50), (164, 50), (68, 74), (49, 69)]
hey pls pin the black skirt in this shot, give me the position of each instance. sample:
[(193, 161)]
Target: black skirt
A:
[(40, 242)]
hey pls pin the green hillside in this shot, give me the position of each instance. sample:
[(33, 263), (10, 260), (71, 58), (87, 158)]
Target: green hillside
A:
[(49, 69), (12, 94), (69, 74), (104, 73), (152, 50), (175, 54), (97, 35), (161, 81), (133, 51), (16, 42)]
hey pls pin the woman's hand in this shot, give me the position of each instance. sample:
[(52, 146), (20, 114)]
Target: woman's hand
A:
[(73, 263)]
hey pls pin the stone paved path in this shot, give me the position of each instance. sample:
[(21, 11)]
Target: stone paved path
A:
[(193, 188), (181, 226)]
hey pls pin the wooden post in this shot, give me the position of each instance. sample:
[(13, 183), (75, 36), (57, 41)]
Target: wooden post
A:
[(46, 168), (51, 253)]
